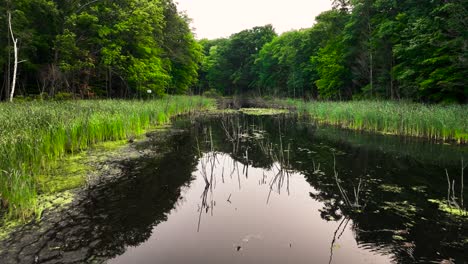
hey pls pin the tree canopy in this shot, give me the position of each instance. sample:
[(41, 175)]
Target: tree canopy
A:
[(361, 49), (387, 49), (112, 48)]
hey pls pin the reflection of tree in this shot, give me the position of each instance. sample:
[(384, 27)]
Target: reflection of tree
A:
[(337, 235), (112, 216), (395, 219), (385, 195), (207, 161), (249, 136)]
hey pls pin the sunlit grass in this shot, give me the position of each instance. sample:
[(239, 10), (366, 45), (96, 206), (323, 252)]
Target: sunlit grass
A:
[(33, 135), (437, 122)]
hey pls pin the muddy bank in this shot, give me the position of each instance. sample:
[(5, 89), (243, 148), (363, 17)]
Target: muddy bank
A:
[(97, 224)]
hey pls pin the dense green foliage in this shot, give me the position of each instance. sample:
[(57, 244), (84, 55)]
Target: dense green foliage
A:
[(34, 134), (441, 123), (230, 66), (106, 48), (361, 49)]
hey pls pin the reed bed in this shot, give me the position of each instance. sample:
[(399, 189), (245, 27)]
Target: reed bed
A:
[(437, 122), (33, 135)]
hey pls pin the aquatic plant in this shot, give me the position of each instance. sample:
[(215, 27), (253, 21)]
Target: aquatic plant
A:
[(34, 134), (437, 122), (454, 204)]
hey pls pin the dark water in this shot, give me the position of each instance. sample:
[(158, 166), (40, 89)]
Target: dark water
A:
[(245, 189)]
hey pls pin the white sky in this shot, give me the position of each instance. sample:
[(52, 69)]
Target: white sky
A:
[(221, 18)]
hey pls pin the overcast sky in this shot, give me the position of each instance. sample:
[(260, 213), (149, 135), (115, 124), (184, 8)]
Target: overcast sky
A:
[(221, 18)]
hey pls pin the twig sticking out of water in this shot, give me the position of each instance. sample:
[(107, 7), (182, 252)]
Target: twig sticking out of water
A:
[(343, 192), (462, 184), (451, 199), (451, 196)]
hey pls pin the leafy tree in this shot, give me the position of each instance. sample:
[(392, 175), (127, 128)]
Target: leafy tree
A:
[(283, 65), (181, 49), (101, 48), (432, 54), (330, 58), (232, 62)]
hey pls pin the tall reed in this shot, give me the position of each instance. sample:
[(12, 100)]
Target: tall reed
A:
[(437, 122), (34, 134)]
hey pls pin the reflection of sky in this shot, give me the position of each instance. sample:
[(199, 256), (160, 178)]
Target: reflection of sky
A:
[(287, 229), (221, 18)]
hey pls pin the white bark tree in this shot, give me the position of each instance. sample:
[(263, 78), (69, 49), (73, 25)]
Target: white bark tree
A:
[(15, 66)]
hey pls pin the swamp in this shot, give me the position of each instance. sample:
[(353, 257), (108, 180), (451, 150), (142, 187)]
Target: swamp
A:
[(163, 131), (255, 186)]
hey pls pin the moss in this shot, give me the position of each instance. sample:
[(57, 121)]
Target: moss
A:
[(263, 111), (391, 188), (449, 209)]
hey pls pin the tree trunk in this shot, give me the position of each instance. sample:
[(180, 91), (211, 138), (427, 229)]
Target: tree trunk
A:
[(15, 65), (371, 58)]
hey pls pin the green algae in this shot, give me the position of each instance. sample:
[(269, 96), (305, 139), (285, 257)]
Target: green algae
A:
[(35, 135), (71, 172), (419, 189), (45, 202), (263, 111), (222, 111), (398, 238), (391, 188), (61, 177), (404, 209), (53, 201), (8, 227), (56, 185), (449, 209)]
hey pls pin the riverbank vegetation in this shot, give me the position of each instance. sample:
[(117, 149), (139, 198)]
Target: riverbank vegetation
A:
[(33, 135), (436, 122)]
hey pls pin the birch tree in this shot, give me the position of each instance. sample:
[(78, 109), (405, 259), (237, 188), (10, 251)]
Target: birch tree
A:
[(15, 50)]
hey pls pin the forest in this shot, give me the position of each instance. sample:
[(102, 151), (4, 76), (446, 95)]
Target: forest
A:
[(361, 49), (97, 48), (129, 138)]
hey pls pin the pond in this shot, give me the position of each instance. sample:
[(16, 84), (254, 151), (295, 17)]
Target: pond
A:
[(237, 188)]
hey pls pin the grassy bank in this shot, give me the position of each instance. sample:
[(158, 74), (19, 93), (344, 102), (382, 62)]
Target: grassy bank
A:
[(35, 135), (437, 122)]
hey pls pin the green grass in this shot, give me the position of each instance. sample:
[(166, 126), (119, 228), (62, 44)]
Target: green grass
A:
[(34, 135), (437, 122)]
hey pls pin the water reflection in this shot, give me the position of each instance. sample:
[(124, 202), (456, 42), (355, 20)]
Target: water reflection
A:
[(386, 193), (376, 199), (235, 188), (111, 216)]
